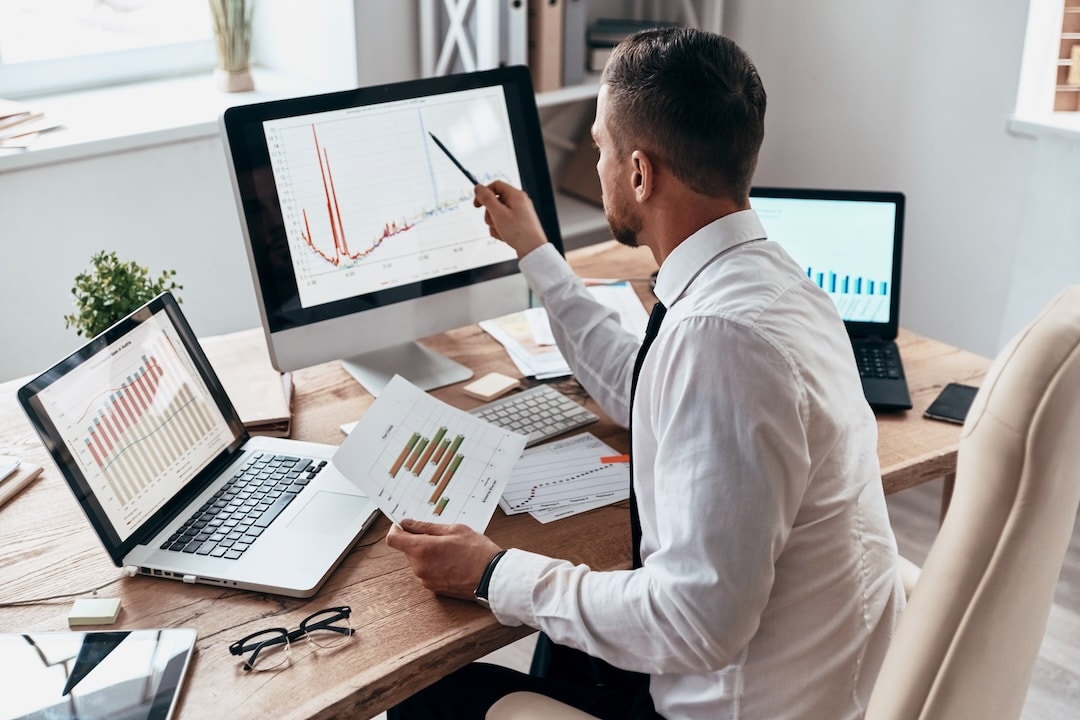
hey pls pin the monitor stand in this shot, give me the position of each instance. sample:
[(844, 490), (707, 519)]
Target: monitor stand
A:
[(422, 367)]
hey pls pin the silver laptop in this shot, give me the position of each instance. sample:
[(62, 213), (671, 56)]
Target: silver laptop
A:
[(850, 242), (175, 487)]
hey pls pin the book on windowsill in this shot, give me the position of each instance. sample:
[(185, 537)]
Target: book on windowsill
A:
[(261, 395), (20, 124)]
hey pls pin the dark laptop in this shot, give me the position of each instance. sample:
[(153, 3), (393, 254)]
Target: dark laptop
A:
[(173, 484), (850, 242)]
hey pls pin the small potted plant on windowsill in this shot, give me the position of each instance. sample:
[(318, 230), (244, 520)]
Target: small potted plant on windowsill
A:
[(111, 291), (232, 31)]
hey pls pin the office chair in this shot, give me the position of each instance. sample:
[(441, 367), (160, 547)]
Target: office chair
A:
[(968, 640)]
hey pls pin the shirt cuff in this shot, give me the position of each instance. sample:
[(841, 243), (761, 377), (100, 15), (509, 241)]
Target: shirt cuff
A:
[(510, 592)]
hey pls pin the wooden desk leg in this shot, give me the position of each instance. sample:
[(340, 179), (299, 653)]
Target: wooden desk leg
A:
[(947, 482)]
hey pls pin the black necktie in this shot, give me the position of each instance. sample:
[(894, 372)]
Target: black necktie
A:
[(655, 318)]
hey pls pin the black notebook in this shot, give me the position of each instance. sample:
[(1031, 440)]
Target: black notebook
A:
[(850, 243)]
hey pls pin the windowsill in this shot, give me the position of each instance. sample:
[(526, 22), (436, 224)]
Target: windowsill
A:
[(129, 117), (1060, 125)]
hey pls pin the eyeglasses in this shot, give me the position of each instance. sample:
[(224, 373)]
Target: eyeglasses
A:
[(271, 648)]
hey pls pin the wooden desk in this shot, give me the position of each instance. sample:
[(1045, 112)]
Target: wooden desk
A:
[(406, 637)]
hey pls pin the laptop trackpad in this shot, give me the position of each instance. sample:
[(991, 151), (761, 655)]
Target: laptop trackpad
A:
[(329, 512)]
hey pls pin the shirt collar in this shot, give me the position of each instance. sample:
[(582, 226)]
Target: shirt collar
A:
[(695, 252)]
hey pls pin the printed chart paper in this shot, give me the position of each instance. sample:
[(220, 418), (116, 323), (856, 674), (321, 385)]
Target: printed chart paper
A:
[(564, 478), (420, 458)]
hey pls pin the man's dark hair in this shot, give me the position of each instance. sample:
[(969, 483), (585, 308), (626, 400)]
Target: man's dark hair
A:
[(691, 99)]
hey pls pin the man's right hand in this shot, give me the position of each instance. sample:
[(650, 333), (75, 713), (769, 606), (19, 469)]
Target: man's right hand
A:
[(510, 216)]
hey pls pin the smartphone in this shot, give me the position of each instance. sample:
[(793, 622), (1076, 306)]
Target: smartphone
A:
[(952, 404)]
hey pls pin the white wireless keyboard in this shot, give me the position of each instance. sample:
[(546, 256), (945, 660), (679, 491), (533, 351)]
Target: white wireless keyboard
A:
[(541, 412)]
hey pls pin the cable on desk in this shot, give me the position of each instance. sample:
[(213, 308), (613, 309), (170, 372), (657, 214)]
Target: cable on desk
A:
[(65, 596), (94, 591), (368, 544)]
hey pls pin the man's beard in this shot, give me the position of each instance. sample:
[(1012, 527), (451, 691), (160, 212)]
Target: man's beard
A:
[(624, 225)]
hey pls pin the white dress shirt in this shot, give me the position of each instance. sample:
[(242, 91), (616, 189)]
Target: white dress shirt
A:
[(769, 586)]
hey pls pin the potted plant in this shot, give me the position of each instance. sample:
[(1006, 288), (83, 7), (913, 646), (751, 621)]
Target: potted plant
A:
[(112, 290), (232, 30)]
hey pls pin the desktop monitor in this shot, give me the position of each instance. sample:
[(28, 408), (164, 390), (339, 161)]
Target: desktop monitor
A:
[(361, 232)]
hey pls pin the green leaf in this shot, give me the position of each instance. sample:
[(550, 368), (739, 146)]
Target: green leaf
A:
[(111, 290)]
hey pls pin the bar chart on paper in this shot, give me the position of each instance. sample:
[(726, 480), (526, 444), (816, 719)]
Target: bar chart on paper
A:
[(420, 458)]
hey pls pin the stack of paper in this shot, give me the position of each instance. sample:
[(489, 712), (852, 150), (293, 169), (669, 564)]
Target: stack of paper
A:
[(532, 357), (527, 337), (566, 477), (14, 476), (20, 124)]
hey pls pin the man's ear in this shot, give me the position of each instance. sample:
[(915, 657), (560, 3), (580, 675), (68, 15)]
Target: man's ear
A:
[(643, 178)]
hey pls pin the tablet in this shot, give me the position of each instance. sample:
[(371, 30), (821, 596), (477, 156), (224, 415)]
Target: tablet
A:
[(131, 674)]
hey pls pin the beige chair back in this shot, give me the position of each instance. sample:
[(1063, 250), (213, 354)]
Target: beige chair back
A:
[(968, 640)]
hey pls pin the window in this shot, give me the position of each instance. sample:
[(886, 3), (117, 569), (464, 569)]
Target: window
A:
[(1067, 82), (58, 45)]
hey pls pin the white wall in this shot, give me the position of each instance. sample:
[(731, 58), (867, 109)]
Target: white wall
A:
[(914, 96), (165, 207), (907, 95)]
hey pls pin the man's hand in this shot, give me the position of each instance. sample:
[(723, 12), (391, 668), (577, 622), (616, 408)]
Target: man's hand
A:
[(510, 216), (448, 559)]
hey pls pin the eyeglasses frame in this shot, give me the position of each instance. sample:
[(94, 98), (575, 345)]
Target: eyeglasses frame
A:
[(287, 637)]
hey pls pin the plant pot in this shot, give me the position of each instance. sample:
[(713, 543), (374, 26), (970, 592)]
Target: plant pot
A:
[(234, 80)]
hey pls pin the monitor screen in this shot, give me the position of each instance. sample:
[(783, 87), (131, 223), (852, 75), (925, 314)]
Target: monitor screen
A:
[(849, 243), (361, 231)]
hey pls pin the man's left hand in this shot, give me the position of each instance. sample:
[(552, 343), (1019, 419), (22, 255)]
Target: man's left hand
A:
[(448, 559)]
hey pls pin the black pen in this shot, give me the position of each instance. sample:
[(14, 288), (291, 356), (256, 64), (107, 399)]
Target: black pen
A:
[(454, 160)]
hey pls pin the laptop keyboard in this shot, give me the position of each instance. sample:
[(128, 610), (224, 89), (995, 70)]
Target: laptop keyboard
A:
[(541, 412), (233, 518), (878, 361)]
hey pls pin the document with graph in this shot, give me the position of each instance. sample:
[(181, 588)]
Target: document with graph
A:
[(420, 458), (566, 477)]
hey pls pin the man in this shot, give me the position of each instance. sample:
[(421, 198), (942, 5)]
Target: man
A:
[(766, 584)]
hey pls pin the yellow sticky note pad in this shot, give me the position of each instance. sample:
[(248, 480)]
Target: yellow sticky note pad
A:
[(490, 386), (94, 611)]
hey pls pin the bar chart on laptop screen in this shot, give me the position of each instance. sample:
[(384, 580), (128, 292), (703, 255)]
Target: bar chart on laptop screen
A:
[(369, 202), (845, 248), (138, 421)]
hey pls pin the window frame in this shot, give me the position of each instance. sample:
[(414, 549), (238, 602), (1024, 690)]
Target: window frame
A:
[(1034, 113), (185, 56)]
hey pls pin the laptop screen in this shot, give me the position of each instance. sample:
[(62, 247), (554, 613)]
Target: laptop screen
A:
[(133, 417), (848, 242)]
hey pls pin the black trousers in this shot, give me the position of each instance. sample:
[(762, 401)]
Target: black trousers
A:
[(569, 676)]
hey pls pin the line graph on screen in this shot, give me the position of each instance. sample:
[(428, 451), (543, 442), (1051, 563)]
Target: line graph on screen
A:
[(369, 202)]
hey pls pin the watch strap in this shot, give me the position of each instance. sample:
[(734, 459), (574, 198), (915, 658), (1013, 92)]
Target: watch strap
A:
[(481, 592)]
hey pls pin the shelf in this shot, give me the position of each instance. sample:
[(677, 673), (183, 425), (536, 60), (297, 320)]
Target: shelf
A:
[(577, 217), (574, 93)]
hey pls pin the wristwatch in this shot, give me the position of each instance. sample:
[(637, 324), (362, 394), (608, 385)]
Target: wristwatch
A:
[(481, 592)]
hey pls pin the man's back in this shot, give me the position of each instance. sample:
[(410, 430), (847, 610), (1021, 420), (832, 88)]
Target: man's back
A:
[(806, 593)]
